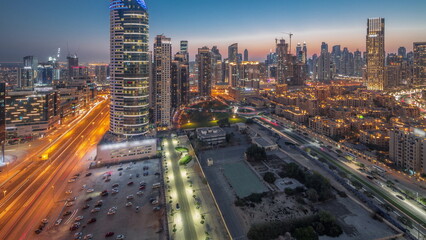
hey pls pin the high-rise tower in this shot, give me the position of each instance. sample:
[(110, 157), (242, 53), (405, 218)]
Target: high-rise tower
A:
[(233, 52), (204, 62), (376, 54), (129, 68), (162, 82)]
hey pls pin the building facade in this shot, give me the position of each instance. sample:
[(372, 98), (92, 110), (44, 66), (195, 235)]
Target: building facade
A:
[(162, 82), (376, 54), (204, 63), (129, 107), (419, 49)]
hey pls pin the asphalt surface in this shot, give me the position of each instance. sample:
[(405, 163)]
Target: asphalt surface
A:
[(144, 224), (31, 193), (188, 226)]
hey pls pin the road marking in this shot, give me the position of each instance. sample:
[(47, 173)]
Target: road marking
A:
[(71, 216)]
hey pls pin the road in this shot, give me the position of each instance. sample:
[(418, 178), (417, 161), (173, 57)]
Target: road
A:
[(183, 218), (39, 183), (403, 206)]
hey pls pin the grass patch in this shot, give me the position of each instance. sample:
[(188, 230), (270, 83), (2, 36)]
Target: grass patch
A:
[(181, 149), (185, 160)]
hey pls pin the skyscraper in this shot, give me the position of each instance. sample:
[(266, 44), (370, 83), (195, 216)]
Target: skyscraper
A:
[(246, 56), (284, 71), (72, 61), (305, 54), (336, 58), (180, 81), (129, 68), (358, 64), (375, 53), (204, 63), (162, 82), (419, 49), (2, 119), (28, 74), (184, 49), (402, 51), (323, 65), (233, 53)]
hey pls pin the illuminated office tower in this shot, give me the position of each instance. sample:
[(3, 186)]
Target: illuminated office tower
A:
[(375, 53), (184, 50), (419, 49), (129, 107), (162, 82), (28, 74), (323, 65), (204, 63)]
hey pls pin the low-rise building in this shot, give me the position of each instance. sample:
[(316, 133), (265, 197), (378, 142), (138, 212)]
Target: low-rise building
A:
[(265, 143), (329, 127), (211, 135)]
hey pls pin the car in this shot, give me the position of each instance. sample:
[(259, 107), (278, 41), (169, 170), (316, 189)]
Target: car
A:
[(92, 220), (130, 176), (88, 174), (113, 209), (104, 193), (67, 213), (83, 187), (37, 231), (137, 175), (95, 210), (109, 234), (129, 204), (145, 168), (141, 187), (139, 193), (115, 185), (120, 169), (120, 237), (78, 234), (77, 175), (58, 221), (44, 221), (79, 218), (130, 197), (130, 183), (111, 212), (88, 236), (157, 208), (71, 180), (145, 173), (108, 179), (71, 199), (74, 227), (68, 192), (89, 199), (157, 174), (90, 190), (142, 184), (114, 191), (85, 206), (99, 203), (121, 173), (177, 206), (69, 204), (137, 209)]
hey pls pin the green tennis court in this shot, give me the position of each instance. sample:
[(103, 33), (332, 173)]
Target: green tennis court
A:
[(243, 180)]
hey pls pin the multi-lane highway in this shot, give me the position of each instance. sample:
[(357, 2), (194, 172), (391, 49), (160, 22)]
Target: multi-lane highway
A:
[(39, 184)]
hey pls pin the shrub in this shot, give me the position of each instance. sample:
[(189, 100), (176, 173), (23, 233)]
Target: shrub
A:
[(269, 177)]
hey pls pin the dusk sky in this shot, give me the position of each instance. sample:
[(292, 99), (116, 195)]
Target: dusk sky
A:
[(39, 27)]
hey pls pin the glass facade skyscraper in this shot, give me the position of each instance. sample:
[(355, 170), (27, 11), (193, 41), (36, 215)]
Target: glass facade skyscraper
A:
[(129, 68), (376, 54)]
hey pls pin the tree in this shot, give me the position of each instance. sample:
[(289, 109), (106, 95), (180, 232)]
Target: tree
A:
[(305, 233), (312, 195), (256, 153), (224, 122), (269, 177)]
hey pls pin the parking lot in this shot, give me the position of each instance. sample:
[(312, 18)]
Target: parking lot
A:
[(123, 201)]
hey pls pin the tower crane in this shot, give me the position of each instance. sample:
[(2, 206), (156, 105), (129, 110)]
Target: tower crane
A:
[(290, 35)]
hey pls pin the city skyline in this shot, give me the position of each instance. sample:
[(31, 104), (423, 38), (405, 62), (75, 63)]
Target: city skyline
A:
[(87, 35)]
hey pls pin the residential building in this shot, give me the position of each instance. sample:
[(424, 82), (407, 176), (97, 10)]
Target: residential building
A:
[(376, 54)]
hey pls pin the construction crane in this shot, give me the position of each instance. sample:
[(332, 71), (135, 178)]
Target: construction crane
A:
[(290, 35)]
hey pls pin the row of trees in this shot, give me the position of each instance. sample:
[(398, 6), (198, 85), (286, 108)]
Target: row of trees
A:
[(306, 228)]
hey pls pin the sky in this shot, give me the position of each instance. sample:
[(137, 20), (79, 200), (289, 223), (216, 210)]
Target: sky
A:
[(40, 27)]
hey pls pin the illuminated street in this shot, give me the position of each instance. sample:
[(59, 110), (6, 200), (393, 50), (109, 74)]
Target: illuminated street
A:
[(32, 191), (195, 216)]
